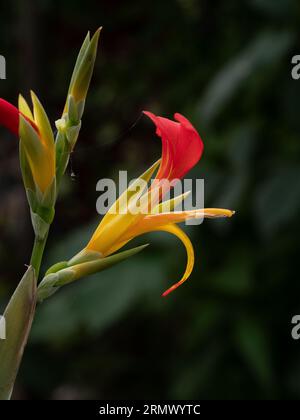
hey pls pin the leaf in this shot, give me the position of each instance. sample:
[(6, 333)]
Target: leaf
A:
[(18, 317)]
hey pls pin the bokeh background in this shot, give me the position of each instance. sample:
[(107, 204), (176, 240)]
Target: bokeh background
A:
[(226, 65)]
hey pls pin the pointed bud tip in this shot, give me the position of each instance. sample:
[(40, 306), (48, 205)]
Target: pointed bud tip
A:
[(34, 97), (96, 36)]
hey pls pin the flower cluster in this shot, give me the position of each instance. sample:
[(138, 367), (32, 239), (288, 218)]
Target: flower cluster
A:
[(44, 160)]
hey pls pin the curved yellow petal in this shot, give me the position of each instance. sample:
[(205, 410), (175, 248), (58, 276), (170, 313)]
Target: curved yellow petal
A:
[(175, 230)]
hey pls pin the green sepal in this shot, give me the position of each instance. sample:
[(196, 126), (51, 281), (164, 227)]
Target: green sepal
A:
[(62, 155), (18, 316), (25, 169), (72, 110), (42, 209), (48, 198), (40, 226), (80, 108), (100, 264), (52, 282), (72, 134), (83, 256), (32, 200), (57, 267), (81, 54)]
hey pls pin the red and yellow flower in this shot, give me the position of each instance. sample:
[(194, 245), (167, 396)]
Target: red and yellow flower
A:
[(37, 141), (182, 148)]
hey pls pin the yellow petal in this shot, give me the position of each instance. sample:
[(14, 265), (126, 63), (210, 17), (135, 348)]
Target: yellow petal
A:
[(170, 205), (42, 121), (114, 224), (122, 202), (24, 108), (154, 221), (36, 154), (116, 247), (175, 230), (47, 141)]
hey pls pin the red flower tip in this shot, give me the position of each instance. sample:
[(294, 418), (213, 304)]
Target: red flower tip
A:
[(171, 289), (182, 146), (9, 117)]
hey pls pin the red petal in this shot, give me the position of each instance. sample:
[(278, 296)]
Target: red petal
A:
[(9, 117), (189, 147), (182, 146)]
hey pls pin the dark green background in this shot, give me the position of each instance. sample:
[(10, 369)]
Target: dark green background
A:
[(226, 65)]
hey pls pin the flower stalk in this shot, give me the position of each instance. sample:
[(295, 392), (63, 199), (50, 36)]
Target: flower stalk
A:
[(38, 252), (43, 162)]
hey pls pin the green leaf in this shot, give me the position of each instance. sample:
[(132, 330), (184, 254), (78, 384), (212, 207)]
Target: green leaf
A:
[(18, 317)]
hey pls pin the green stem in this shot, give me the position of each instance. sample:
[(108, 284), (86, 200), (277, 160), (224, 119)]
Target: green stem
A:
[(37, 253)]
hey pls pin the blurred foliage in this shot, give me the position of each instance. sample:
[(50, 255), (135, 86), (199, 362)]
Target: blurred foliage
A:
[(225, 65)]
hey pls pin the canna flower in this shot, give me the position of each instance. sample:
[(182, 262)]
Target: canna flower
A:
[(37, 142), (9, 117), (182, 148)]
